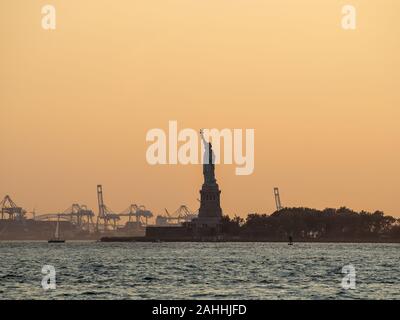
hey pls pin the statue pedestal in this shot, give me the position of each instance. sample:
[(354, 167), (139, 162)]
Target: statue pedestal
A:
[(210, 202)]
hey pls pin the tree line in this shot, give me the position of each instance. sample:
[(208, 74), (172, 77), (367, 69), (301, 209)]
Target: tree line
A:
[(305, 224)]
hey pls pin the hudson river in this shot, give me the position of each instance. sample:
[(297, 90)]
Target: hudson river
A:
[(89, 270)]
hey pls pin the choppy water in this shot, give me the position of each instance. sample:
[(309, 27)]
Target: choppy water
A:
[(87, 270)]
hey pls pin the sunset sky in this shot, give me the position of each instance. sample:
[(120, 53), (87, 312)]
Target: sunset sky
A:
[(76, 102)]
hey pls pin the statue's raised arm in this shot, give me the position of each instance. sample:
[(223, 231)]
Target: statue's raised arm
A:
[(208, 162), (204, 140)]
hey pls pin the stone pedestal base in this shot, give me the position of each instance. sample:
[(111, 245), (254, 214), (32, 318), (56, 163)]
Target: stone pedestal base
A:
[(210, 202)]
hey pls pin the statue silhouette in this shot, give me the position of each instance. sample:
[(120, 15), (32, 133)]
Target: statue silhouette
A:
[(208, 162)]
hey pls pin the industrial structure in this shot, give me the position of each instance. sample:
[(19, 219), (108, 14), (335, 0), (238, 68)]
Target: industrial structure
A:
[(105, 215), (8, 207), (78, 219), (78, 215), (139, 212), (108, 220), (277, 199), (181, 215)]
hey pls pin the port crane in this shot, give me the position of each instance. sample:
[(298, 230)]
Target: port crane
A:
[(8, 207), (77, 214), (138, 212), (105, 214), (277, 199), (182, 214)]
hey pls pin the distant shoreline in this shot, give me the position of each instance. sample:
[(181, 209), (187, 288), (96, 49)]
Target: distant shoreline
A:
[(144, 239), (121, 240)]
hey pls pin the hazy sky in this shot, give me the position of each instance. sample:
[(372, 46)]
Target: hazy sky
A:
[(76, 102)]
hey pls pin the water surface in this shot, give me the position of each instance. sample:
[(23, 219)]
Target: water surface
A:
[(89, 270)]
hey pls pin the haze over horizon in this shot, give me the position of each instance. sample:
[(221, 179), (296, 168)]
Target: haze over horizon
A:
[(76, 103)]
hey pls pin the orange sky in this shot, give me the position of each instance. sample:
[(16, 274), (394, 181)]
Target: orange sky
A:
[(76, 103)]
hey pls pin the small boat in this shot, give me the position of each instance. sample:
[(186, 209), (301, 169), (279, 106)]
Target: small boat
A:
[(57, 238), (290, 241), (56, 241)]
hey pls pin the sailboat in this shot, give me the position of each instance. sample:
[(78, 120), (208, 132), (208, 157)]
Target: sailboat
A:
[(57, 238)]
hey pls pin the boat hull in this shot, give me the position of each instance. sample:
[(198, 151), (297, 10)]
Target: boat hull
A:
[(56, 241)]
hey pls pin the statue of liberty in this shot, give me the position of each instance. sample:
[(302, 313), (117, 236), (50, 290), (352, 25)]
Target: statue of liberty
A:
[(210, 212), (208, 162)]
